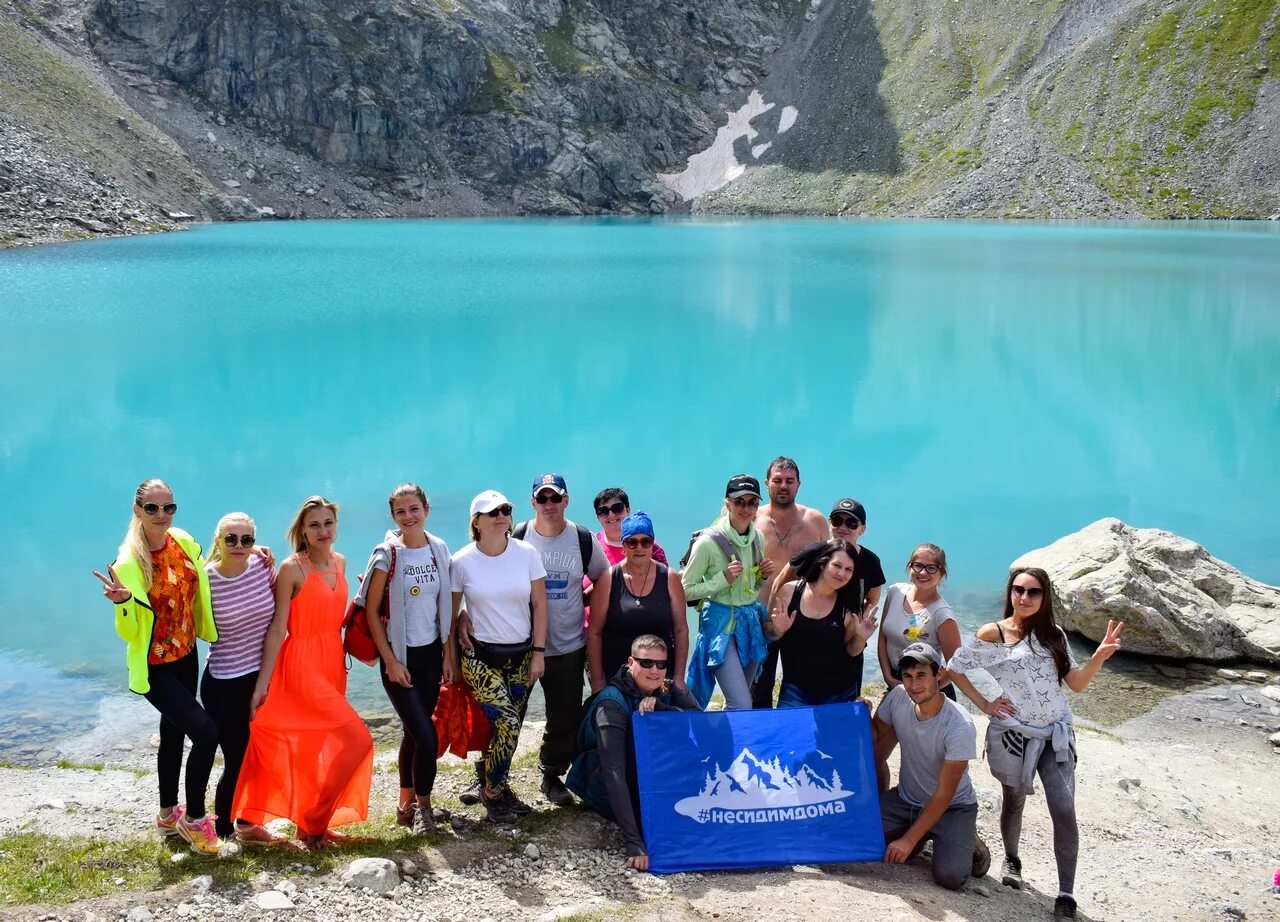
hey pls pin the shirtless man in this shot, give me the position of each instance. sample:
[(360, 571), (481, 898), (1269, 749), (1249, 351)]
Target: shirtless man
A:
[(786, 527)]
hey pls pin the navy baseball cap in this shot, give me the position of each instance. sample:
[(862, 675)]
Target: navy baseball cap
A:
[(550, 482)]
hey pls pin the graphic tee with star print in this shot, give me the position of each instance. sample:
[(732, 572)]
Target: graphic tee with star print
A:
[(1026, 675)]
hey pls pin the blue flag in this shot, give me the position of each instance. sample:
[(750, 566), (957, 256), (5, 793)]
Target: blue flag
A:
[(741, 789)]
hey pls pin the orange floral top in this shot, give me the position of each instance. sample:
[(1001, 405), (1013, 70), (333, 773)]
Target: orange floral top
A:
[(174, 582)]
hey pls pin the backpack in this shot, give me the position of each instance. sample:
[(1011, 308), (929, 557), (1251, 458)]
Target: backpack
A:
[(585, 549), (722, 541)]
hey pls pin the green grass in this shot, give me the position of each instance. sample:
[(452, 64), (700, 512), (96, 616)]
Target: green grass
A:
[(558, 45), (500, 84)]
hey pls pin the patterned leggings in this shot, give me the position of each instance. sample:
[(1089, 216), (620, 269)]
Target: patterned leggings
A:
[(501, 692)]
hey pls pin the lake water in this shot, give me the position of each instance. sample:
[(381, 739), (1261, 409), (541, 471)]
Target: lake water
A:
[(989, 387)]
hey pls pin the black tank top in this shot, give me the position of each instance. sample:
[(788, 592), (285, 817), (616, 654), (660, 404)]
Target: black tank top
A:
[(629, 617), (814, 658)]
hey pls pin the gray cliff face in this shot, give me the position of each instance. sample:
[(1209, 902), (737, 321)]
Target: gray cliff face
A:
[(554, 105)]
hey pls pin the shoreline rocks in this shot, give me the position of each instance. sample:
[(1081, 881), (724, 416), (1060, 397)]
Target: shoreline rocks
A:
[(1176, 599)]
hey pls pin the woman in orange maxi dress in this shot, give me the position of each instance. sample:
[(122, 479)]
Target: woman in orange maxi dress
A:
[(310, 757)]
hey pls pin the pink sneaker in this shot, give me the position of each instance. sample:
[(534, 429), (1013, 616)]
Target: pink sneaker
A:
[(200, 834), (168, 825)]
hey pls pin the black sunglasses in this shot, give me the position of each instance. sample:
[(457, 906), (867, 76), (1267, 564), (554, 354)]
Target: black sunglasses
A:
[(637, 541), (244, 540), (501, 510), (554, 499), (650, 663), (845, 521), (930, 568), (746, 502), (616, 509), (153, 508), (1031, 592)]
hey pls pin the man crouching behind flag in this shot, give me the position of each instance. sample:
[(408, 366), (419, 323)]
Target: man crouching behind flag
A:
[(604, 772)]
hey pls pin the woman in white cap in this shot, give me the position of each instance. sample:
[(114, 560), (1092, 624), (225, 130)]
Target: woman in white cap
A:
[(726, 567), (504, 583)]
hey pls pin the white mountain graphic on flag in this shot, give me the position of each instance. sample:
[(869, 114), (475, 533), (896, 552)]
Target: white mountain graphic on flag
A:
[(751, 783)]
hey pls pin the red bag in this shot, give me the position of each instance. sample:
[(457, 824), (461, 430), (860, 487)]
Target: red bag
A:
[(460, 723), (357, 639)]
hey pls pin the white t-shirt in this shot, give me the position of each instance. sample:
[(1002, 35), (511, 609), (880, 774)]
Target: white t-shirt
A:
[(419, 580), (498, 590), (901, 627)]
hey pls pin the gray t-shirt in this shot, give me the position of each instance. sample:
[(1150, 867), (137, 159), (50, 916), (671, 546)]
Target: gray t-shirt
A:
[(948, 736), (562, 559)]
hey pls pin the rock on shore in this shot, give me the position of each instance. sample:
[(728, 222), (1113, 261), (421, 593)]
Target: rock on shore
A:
[(1176, 599)]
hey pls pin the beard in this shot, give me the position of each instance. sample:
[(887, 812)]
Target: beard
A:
[(781, 503)]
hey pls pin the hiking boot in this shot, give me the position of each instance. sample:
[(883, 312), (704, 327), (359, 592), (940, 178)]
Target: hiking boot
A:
[(168, 825), (981, 858), (1064, 907), (515, 804), (404, 815), (496, 809), (423, 824), (1011, 873), (471, 796), (553, 790), (200, 834)]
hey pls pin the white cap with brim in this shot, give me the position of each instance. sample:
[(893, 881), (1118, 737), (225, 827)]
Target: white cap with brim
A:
[(488, 501)]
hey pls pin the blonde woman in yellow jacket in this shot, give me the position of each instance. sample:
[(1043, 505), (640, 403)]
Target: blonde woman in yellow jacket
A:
[(160, 591)]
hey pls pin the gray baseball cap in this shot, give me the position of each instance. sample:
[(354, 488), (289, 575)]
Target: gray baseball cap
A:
[(922, 653)]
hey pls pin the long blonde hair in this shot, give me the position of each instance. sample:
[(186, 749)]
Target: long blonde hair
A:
[(135, 540), (296, 535), (214, 554)]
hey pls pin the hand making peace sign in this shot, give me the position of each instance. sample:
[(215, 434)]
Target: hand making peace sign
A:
[(112, 588)]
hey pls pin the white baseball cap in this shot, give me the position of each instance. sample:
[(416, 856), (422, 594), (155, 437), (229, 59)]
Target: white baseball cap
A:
[(488, 501)]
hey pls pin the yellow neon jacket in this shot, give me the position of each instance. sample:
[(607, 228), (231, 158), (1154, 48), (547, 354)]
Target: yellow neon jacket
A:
[(135, 620)]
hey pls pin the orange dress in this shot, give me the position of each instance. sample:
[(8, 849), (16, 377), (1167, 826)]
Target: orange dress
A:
[(310, 757)]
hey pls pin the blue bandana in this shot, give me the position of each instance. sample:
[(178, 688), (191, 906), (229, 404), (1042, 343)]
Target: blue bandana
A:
[(638, 523)]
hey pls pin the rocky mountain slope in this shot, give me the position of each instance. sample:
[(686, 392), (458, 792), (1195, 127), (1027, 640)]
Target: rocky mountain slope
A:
[(117, 114)]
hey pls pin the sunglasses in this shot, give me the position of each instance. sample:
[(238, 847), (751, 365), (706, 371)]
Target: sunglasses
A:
[(637, 541), (153, 508), (242, 540), (554, 499), (844, 521), (930, 568), (616, 509), (644, 663), (747, 502), (1031, 592), (501, 510)]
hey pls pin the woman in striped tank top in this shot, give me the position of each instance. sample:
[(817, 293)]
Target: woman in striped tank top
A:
[(242, 587)]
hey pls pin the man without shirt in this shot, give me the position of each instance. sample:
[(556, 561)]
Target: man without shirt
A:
[(786, 527), (934, 798)]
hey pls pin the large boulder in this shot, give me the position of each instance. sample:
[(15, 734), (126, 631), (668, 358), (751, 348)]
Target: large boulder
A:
[(1176, 599)]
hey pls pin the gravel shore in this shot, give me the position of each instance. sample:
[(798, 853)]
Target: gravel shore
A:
[(1164, 827)]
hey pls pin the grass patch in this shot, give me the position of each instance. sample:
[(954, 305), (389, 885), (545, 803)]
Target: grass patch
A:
[(558, 45), (500, 84), (86, 766)]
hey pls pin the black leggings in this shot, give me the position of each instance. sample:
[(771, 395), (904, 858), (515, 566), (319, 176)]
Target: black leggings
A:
[(173, 694), (227, 702), (415, 706)]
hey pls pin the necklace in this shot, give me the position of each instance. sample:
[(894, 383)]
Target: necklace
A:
[(644, 579), (782, 538)]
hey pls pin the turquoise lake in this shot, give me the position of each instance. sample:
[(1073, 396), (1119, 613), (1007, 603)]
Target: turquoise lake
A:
[(985, 386)]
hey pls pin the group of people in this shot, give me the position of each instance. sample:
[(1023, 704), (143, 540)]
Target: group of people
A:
[(548, 601)]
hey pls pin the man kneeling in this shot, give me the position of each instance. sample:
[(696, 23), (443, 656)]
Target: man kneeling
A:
[(934, 798), (604, 772)]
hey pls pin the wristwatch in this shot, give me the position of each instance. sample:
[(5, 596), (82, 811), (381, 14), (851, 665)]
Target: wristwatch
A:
[(539, 649)]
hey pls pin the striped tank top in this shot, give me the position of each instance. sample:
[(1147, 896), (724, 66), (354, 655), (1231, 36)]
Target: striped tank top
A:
[(242, 610)]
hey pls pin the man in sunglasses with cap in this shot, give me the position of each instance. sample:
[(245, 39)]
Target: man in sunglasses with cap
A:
[(848, 520), (569, 551), (934, 798), (604, 771)]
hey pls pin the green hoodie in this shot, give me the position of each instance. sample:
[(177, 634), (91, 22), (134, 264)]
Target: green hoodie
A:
[(135, 620), (704, 577)]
